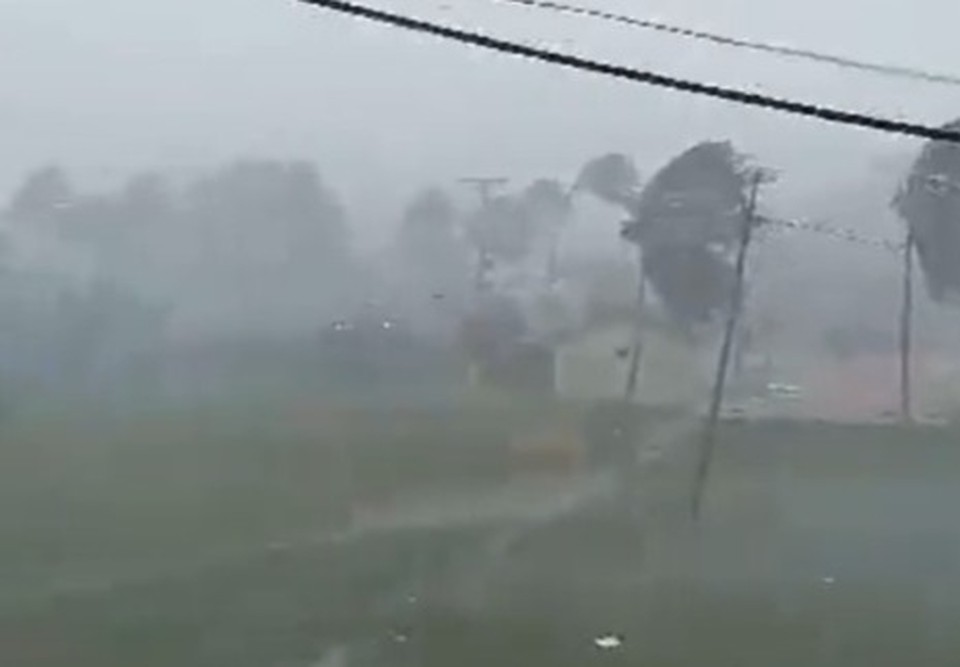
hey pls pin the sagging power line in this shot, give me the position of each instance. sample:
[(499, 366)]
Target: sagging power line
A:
[(844, 234), (897, 71), (651, 78)]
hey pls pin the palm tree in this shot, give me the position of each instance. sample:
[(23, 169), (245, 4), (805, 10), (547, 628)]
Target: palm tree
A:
[(929, 204), (614, 179), (685, 223)]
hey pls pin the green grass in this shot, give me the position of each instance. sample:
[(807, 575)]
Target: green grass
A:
[(141, 540), (84, 497)]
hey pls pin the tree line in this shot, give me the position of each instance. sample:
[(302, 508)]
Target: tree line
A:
[(256, 229)]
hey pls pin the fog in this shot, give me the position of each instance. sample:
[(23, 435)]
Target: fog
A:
[(326, 343), (116, 86)]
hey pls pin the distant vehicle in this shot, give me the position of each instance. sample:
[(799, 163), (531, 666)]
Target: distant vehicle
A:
[(783, 390)]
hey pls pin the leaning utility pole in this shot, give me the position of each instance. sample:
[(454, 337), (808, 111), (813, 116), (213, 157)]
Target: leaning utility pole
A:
[(709, 440), (906, 332), (636, 348), (485, 187)]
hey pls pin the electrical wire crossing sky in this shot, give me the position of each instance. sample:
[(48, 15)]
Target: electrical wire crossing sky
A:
[(834, 115)]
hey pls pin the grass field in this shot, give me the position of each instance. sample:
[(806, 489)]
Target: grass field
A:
[(215, 538)]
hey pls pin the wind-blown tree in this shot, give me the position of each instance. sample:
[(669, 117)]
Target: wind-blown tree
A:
[(685, 223), (929, 203), (697, 199), (688, 221), (612, 178), (692, 281)]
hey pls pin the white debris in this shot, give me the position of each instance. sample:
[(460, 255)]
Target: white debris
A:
[(400, 638), (412, 599), (608, 642), (828, 581)]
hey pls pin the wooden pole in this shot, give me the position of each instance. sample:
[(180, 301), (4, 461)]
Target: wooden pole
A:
[(906, 333), (709, 439), (636, 350), (485, 187)]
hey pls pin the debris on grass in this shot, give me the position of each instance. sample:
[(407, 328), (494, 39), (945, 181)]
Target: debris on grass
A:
[(608, 642)]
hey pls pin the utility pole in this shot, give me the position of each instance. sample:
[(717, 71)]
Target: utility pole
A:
[(906, 332), (485, 187), (636, 350), (709, 440)]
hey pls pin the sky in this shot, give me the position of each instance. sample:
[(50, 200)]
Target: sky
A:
[(107, 87)]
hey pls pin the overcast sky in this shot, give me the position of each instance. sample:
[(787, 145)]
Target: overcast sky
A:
[(108, 86)]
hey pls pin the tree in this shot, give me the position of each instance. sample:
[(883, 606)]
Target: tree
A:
[(258, 220), (612, 178), (685, 223), (547, 204), (265, 244), (692, 281), (282, 204), (429, 245), (43, 194), (695, 200), (429, 225), (929, 203), (502, 230), (687, 220)]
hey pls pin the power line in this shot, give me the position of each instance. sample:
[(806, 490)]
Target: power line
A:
[(724, 40), (805, 109), (844, 234)]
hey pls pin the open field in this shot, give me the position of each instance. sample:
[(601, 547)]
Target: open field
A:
[(422, 537)]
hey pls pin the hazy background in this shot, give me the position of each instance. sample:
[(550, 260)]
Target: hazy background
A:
[(111, 89), (111, 86), (255, 408)]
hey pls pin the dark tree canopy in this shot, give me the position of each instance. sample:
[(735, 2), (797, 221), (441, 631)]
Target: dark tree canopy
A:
[(685, 220), (693, 282), (929, 202), (697, 198), (612, 178)]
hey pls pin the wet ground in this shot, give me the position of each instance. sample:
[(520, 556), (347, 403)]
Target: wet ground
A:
[(805, 564)]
